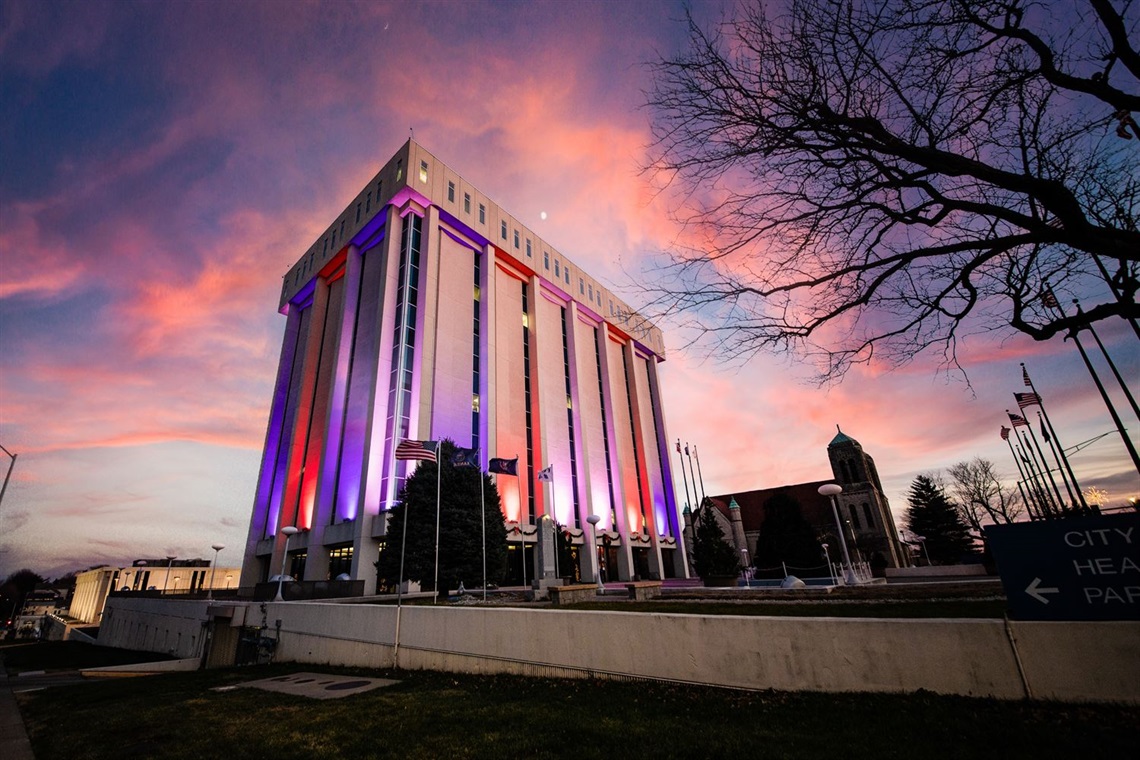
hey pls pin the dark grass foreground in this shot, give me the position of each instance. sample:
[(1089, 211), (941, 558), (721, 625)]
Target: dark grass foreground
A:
[(437, 715)]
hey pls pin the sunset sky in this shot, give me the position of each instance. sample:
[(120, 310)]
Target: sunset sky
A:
[(163, 164)]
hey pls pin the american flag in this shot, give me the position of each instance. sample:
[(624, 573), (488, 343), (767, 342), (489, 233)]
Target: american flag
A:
[(1025, 377), (423, 450), (1017, 420), (1027, 399), (1004, 433)]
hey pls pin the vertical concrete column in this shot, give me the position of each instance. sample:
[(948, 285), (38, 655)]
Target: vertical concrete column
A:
[(614, 406), (262, 522), (668, 484), (639, 406), (488, 287)]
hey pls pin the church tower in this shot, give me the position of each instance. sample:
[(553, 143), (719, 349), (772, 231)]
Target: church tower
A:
[(863, 507)]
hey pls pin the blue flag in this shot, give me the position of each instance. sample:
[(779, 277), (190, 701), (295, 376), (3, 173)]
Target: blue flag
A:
[(465, 457), (504, 466)]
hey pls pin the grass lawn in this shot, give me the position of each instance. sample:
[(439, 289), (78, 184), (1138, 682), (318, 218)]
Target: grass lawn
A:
[(438, 715)]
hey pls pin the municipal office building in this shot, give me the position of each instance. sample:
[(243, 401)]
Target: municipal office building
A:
[(427, 312)]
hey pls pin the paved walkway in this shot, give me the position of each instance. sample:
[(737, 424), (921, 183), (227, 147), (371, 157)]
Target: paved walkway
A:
[(14, 744)]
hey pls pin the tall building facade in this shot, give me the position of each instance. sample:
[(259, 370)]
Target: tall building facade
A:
[(427, 312)]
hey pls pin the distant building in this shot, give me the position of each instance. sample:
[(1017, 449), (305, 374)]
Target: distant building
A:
[(178, 576), (425, 311), (868, 524)]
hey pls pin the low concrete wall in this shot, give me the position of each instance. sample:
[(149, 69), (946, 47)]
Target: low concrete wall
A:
[(936, 571), (172, 626), (1064, 661)]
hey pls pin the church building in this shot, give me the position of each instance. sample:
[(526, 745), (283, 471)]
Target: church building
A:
[(864, 512)]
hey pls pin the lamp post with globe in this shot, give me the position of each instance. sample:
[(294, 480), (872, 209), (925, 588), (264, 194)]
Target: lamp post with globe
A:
[(831, 490), (214, 569)]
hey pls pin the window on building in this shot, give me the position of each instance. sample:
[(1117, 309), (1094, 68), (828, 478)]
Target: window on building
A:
[(581, 287), (340, 561), (482, 214), (546, 260), (399, 170), (528, 250), (467, 203), (567, 273), (516, 239), (423, 171), (450, 192), (358, 213), (867, 514), (504, 230), (855, 517), (557, 264), (368, 203), (591, 293)]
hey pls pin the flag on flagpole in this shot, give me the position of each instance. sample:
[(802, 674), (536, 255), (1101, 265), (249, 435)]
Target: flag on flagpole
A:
[(465, 457), (686, 449), (1044, 432), (678, 445), (1017, 420), (546, 475), (504, 466), (422, 450), (1005, 433), (1027, 399), (1025, 377)]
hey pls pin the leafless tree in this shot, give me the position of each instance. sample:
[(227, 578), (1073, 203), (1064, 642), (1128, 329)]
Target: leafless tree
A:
[(980, 497), (870, 178)]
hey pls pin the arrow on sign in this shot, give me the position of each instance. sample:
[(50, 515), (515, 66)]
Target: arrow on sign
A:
[(1037, 591)]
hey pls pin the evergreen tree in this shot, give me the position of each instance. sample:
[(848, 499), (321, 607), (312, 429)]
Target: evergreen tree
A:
[(933, 516), (786, 536), (460, 528), (712, 554)]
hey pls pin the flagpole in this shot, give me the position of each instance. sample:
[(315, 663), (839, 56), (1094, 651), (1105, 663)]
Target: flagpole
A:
[(1047, 469), (1038, 482), (684, 477), (1111, 365), (1021, 471), (691, 472), (522, 537), (1053, 433), (699, 473), (400, 588), (1107, 401), (1060, 468), (438, 477), (483, 517), (1115, 290)]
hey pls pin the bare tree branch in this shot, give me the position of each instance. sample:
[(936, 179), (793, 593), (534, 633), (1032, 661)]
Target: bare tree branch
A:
[(864, 179)]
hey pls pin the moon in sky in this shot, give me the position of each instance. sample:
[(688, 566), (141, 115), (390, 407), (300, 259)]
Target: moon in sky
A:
[(542, 216)]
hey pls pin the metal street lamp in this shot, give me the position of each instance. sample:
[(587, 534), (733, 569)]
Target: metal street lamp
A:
[(830, 569), (831, 490), (288, 531), (214, 569), (166, 579), (593, 520)]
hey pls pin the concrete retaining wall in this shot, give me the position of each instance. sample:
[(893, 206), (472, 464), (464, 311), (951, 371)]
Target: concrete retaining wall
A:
[(171, 626), (1064, 661)]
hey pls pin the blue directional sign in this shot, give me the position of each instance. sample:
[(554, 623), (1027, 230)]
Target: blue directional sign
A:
[(1080, 568)]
